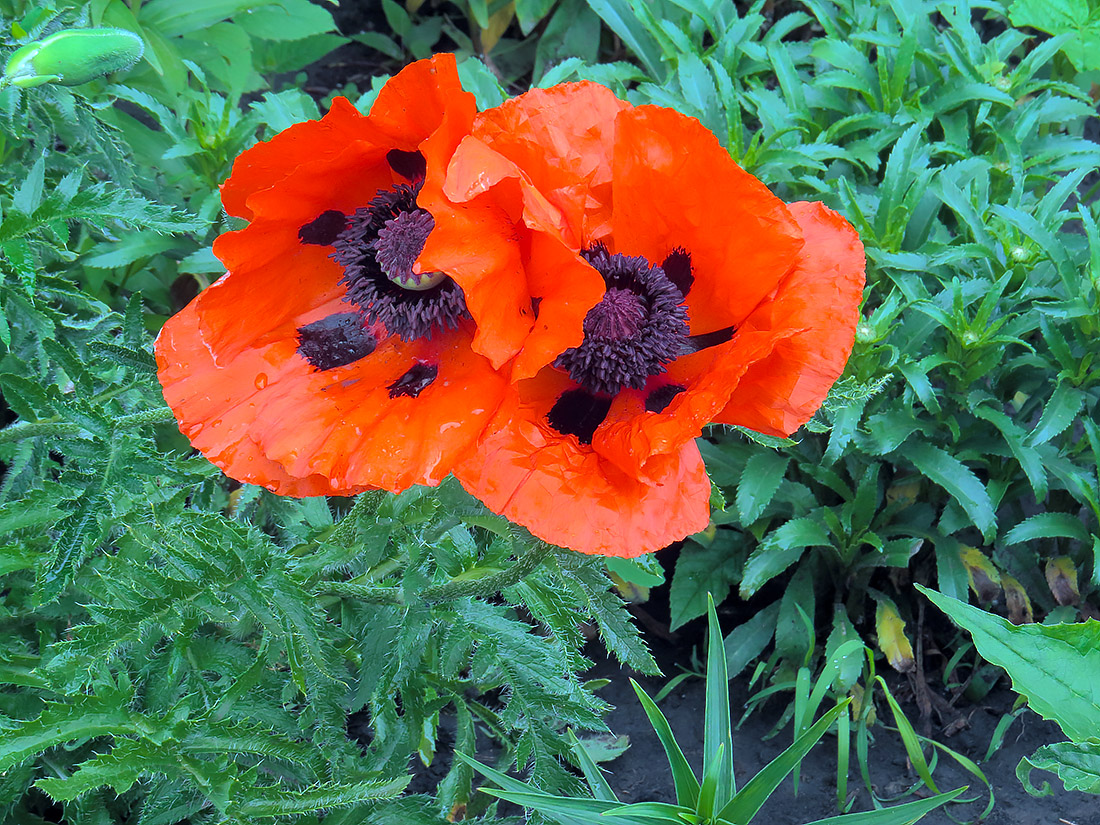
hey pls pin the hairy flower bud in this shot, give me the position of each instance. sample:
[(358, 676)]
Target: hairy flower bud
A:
[(73, 57)]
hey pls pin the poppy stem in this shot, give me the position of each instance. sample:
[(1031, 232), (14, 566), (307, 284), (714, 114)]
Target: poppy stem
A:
[(368, 593), (161, 415), (365, 503), (526, 564), (33, 429), (447, 592)]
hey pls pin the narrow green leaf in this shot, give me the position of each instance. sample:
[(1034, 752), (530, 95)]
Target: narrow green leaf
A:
[(906, 814), (743, 806), (684, 780), (717, 736), (655, 810), (781, 549), (78, 720), (592, 773), (909, 738), (29, 194), (621, 19), (747, 641), (761, 478), (287, 803), (1046, 526), (708, 788), (1059, 413), (958, 480)]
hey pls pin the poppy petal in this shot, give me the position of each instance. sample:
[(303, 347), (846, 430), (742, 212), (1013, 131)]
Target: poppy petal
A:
[(559, 288), (401, 416), (417, 100), (562, 139), (542, 160), (641, 440), (817, 303), (675, 187), (265, 164), (567, 494), (353, 424)]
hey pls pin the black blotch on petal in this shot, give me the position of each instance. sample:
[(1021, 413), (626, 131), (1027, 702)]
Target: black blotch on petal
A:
[(409, 165), (661, 397), (677, 267), (415, 381), (578, 412), (335, 341), (323, 229), (711, 339)]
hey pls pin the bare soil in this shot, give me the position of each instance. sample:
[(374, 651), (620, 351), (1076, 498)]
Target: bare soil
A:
[(641, 774)]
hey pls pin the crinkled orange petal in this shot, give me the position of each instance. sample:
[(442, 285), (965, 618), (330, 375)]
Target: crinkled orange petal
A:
[(562, 139), (675, 186), (266, 164), (543, 162), (641, 442), (474, 246), (417, 100), (343, 423), (818, 304), (273, 280), (547, 287), (565, 493), (339, 424)]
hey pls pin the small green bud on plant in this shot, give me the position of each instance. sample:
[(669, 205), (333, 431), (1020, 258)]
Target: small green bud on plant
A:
[(72, 57)]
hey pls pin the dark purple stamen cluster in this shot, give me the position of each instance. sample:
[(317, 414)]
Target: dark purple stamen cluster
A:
[(638, 328), (398, 243), (379, 244)]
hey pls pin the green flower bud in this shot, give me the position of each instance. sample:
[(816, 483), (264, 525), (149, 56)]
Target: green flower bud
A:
[(73, 57)]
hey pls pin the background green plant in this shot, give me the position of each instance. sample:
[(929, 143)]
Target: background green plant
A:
[(967, 415), (1054, 666), (715, 798), (150, 608)]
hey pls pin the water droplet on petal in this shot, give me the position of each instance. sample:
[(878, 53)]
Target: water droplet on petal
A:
[(261, 381)]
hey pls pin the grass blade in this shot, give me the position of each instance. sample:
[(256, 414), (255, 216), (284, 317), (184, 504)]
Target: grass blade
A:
[(687, 786), (717, 739), (592, 773), (745, 804), (905, 814)]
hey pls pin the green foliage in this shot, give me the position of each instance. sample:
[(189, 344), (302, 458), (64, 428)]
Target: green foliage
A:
[(198, 648), (1076, 21), (175, 647), (973, 386), (1055, 667), (181, 124), (713, 798)]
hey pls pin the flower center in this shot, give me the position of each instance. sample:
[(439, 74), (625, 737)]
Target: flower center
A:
[(398, 243), (619, 315), (638, 327), (377, 249)]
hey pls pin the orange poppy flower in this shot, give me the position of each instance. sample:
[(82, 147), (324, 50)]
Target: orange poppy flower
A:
[(327, 360), (671, 290)]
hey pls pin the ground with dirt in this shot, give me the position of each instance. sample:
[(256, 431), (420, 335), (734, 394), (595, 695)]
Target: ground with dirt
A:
[(642, 772)]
